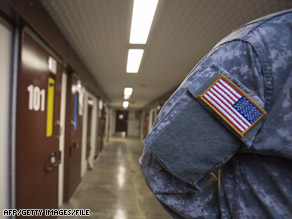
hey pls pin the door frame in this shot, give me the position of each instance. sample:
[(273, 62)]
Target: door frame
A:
[(152, 117), (62, 137), (84, 161)]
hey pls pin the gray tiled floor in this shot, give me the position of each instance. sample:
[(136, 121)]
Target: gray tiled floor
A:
[(115, 188)]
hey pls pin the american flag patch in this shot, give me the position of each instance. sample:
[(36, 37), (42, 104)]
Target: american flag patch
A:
[(238, 110)]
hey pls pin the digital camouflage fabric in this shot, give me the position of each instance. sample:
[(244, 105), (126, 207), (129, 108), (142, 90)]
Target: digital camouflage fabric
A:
[(189, 141)]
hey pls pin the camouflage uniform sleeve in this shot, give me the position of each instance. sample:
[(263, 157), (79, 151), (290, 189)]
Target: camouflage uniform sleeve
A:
[(187, 143), (179, 198)]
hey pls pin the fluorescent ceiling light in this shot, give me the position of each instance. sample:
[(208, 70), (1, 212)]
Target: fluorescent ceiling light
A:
[(134, 60), (125, 104), (128, 91), (127, 97), (142, 17)]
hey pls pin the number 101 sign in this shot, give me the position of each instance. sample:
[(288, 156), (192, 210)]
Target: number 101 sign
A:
[(36, 100)]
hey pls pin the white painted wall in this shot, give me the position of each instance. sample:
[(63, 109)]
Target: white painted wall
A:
[(113, 121), (133, 124), (142, 119), (94, 126), (152, 117), (107, 124), (84, 137), (62, 138), (84, 161), (5, 72)]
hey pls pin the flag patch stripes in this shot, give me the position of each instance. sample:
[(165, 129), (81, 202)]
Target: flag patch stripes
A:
[(239, 111)]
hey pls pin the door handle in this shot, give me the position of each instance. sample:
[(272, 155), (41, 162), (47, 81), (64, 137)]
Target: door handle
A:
[(52, 160), (74, 125), (58, 123), (74, 148)]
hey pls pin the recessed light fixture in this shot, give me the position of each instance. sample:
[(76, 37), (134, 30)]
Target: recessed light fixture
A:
[(125, 104), (127, 93), (142, 17), (127, 97), (134, 60)]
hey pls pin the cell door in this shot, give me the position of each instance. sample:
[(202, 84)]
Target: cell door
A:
[(37, 131), (121, 121), (73, 141)]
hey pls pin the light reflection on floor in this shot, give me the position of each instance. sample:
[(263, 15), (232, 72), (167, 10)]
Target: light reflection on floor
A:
[(121, 176), (115, 188), (120, 214)]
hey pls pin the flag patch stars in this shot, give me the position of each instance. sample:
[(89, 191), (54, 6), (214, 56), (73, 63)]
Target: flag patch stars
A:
[(239, 111)]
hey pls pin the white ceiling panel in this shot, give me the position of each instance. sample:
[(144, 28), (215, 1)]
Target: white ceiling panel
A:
[(183, 31)]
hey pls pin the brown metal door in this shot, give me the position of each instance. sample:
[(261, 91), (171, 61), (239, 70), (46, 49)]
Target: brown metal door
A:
[(74, 119), (121, 121), (38, 111)]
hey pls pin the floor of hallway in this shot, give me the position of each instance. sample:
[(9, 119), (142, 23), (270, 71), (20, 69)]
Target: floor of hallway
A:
[(115, 187)]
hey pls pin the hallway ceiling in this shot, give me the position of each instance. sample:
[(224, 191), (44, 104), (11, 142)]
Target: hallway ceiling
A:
[(183, 31)]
